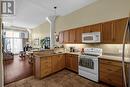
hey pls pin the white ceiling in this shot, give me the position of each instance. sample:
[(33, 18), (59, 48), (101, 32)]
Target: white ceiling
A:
[(31, 13)]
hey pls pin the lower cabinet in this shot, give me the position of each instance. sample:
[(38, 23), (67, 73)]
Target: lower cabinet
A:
[(72, 62), (58, 63), (111, 72), (45, 66)]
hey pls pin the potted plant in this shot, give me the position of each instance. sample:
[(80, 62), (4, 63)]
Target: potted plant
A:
[(42, 42)]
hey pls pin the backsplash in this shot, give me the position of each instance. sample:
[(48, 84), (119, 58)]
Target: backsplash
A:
[(108, 49)]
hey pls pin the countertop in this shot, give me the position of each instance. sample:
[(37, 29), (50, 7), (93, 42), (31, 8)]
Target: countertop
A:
[(108, 57), (116, 58)]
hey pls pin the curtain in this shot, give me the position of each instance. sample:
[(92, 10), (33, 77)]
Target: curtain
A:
[(13, 42), (13, 45)]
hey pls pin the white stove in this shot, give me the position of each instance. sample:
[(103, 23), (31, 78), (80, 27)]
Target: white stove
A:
[(88, 63)]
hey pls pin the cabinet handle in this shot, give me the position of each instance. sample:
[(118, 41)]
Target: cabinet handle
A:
[(113, 32)]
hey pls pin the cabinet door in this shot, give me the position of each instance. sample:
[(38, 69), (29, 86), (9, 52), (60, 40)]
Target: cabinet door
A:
[(74, 63), (66, 36), (55, 66), (46, 67), (72, 36), (107, 32), (119, 29), (95, 28), (111, 72), (61, 62), (86, 29), (68, 61), (78, 35), (61, 37)]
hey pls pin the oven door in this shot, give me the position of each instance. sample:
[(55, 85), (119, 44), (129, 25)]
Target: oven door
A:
[(89, 64)]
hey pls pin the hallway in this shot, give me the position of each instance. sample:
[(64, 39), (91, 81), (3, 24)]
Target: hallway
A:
[(16, 69)]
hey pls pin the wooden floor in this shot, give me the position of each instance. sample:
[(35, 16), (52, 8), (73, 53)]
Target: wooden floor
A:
[(16, 69), (63, 78)]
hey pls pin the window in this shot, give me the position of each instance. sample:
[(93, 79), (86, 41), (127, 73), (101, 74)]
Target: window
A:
[(13, 41)]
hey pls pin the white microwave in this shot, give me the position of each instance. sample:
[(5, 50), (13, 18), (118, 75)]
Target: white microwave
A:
[(93, 37)]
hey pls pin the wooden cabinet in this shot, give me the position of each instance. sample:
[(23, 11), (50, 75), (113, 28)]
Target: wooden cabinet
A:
[(58, 63), (61, 61), (111, 72), (46, 68), (42, 67), (72, 34), (72, 62), (86, 29), (113, 31), (119, 28), (55, 63), (68, 61), (78, 35), (96, 28), (107, 32), (66, 36)]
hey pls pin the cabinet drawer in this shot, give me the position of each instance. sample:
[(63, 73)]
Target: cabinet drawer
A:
[(110, 68), (112, 80), (110, 62)]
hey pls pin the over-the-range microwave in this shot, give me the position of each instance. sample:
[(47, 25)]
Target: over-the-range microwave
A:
[(92, 37)]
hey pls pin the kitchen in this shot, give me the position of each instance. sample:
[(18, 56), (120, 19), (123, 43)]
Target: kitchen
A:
[(85, 44)]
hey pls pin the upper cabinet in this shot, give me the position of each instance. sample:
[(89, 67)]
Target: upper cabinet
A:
[(72, 34), (66, 36), (112, 32), (107, 32), (86, 29), (78, 36), (119, 29), (96, 28)]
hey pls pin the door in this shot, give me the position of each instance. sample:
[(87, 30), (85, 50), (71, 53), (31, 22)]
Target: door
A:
[(107, 32)]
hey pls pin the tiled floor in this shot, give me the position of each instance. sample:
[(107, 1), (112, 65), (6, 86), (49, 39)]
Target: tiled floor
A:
[(63, 78), (17, 69)]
